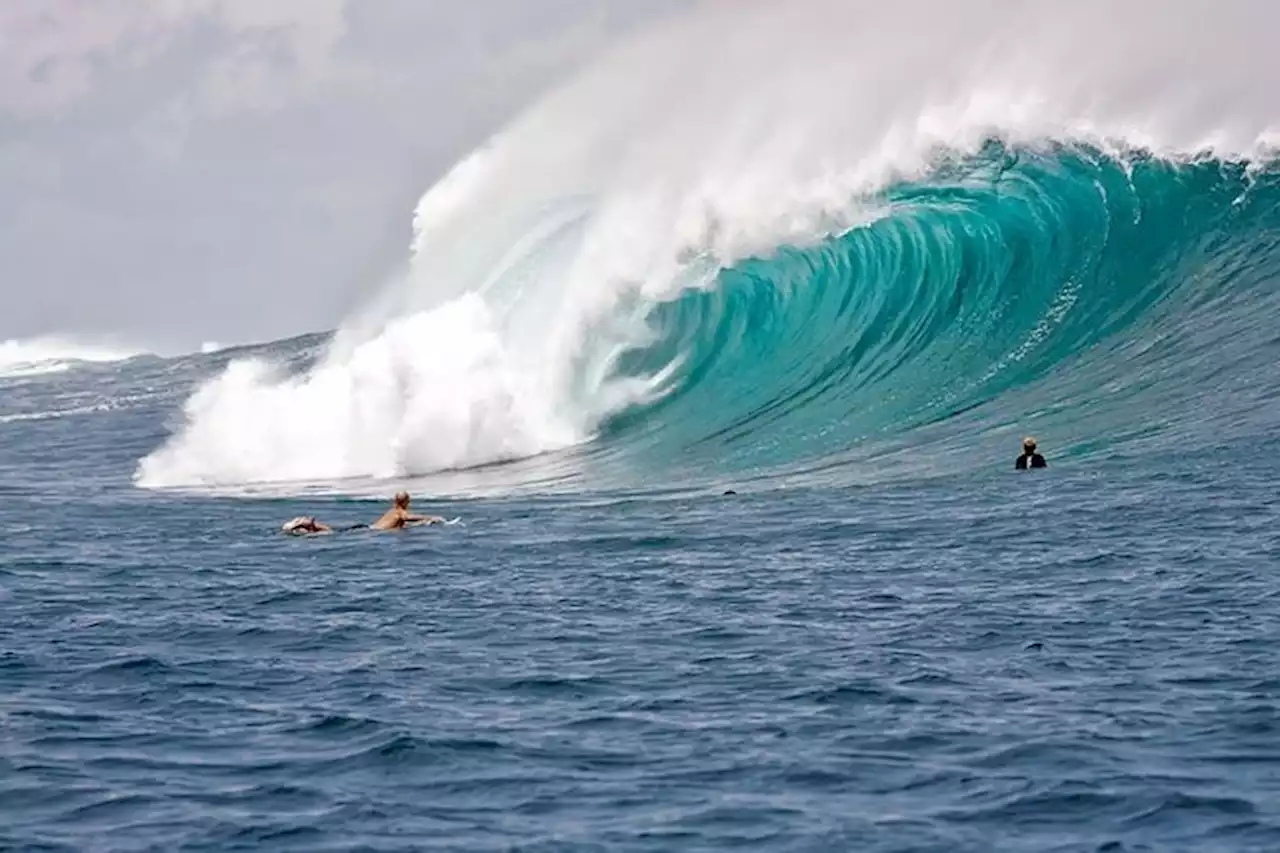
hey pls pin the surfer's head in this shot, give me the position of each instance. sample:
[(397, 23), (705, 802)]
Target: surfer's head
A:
[(402, 500), (1029, 445)]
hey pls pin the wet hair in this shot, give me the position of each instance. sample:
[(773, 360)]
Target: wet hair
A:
[(402, 498), (1028, 444)]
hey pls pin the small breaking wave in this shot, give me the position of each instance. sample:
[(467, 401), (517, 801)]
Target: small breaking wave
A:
[(53, 354)]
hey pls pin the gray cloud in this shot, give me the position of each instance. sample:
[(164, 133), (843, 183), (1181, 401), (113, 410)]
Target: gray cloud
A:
[(175, 171), (54, 53)]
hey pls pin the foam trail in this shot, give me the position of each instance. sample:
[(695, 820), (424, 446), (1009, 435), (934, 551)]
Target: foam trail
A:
[(741, 128), (54, 354)]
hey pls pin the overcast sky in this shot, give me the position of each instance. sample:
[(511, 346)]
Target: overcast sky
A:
[(178, 171)]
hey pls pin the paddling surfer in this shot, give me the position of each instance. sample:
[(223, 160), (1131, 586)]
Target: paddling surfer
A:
[(396, 518), (399, 517)]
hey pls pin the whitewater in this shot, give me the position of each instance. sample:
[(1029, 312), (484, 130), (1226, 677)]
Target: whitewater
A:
[(541, 263)]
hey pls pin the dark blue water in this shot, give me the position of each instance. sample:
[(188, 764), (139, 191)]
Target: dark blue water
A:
[(1078, 661)]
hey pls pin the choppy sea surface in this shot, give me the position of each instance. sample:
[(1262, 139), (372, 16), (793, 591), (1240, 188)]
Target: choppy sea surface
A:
[(1081, 659)]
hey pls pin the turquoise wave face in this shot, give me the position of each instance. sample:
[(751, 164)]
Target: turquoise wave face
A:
[(1057, 290)]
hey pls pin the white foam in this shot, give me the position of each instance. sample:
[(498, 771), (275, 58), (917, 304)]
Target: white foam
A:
[(56, 414), (742, 127), (435, 390)]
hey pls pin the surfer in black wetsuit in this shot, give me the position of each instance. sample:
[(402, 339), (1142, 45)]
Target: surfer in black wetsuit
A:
[(1029, 457)]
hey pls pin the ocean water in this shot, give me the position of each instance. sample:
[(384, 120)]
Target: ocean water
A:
[(725, 381), (1078, 660)]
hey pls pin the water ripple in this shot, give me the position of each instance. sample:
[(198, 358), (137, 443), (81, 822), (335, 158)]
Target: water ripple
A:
[(829, 677)]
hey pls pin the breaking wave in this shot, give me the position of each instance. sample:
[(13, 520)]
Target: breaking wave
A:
[(35, 356), (799, 238)]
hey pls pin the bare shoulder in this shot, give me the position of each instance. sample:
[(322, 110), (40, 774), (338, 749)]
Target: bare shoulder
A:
[(389, 520)]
